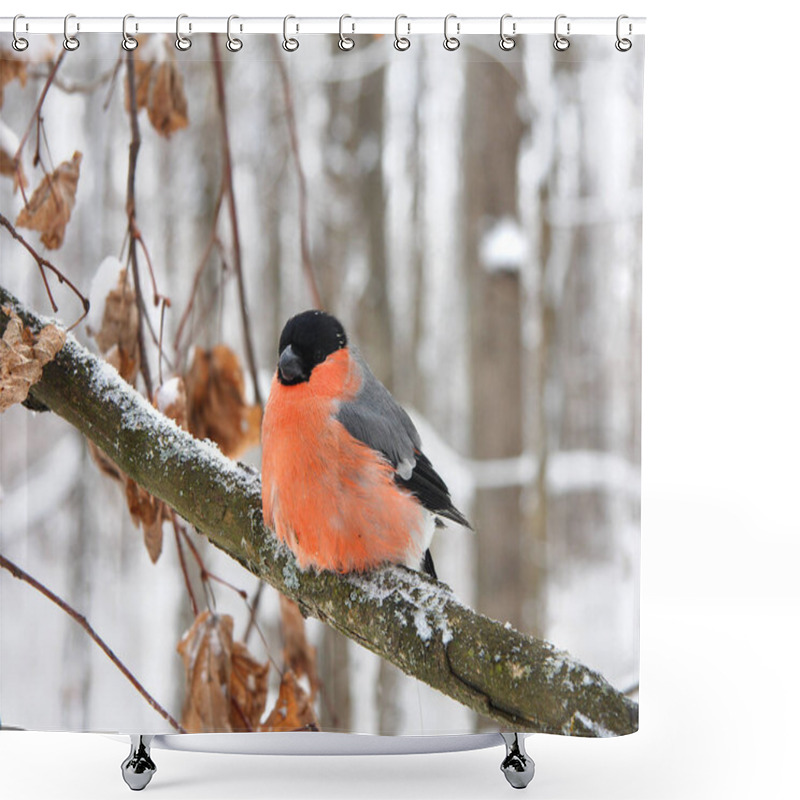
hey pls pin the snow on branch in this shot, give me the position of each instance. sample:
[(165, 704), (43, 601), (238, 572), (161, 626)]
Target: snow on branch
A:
[(405, 617)]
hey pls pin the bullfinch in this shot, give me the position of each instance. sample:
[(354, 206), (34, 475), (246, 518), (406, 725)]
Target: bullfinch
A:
[(345, 483)]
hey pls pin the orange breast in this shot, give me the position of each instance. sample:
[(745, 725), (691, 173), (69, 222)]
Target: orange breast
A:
[(330, 498)]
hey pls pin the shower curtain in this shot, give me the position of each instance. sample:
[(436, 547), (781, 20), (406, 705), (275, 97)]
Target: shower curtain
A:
[(473, 218)]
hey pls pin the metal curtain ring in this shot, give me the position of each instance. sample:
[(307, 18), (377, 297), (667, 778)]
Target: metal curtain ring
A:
[(233, 44), (18, 43), (345, 42), (451, 42), (70, 42), (401, 43), (182, 42), (289, 44), (507, 42), (623, 45), (129, 43), (560, 42)]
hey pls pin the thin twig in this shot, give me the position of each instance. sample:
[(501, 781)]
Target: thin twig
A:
[(44, 263), (133, 153), (182, 559), (228, 188), (35, 116), (213, 240), (253, 604), (81, 620), (291, 122)]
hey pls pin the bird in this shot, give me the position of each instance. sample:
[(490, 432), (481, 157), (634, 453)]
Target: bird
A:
[(345, 484)]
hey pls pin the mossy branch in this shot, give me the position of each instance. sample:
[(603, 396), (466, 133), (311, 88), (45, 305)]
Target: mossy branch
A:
[(417, 623)]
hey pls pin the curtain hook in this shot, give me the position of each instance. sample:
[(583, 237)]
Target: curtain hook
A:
[(182, 42), (507, 42), (345, 42), (18, 43), (451, 42), (70, 42), (623, 45), (560, 42), (129, 43), (233, 44), (289, 44), (401, 43)]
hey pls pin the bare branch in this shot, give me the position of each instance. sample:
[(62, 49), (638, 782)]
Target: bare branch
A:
[(82, 621), (406, 617), (43, 264), (234, 219)]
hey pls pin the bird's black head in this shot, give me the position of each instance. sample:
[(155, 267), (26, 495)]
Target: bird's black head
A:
[(307, 340)]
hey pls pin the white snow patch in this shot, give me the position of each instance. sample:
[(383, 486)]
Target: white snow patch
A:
[(504, 247), (167, 394)]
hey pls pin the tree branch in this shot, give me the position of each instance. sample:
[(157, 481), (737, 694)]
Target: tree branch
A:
[(405, 617)]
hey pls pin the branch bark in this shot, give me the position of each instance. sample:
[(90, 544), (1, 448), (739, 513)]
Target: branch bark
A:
[(415, 622)]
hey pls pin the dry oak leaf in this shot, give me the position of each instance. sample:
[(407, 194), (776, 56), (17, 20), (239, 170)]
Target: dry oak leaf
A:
[(206, 649), (9, 144), (11, 68), (226, 688), (170, 400), (248, 689), (159, 86), (118, 335), (148, 512), (50, 206), (23, 354), (293, 710), (298, 654), (217, 407)]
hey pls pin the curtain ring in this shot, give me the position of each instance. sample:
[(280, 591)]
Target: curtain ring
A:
[(345, 42), (507, 42), (182, 42), (401, 43), (233, 44), (18, 43), (70, 42), (289, 44), (451, 42), (129, 43), (623, 45), (560, 42)]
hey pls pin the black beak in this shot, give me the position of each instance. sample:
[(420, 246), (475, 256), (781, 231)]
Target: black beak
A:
[(290, 367)]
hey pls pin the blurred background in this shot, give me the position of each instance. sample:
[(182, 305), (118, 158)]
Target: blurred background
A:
[(473, 218)]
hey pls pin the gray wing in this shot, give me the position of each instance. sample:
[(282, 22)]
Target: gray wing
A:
[(375, 418)]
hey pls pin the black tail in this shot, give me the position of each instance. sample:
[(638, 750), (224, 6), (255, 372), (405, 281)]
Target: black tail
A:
[(427, 565)]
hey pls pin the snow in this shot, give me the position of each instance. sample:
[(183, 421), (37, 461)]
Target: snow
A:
[(503, 247), (168, 393), (429, 601)]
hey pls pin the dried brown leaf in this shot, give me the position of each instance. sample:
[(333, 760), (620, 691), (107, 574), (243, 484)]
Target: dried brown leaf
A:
[(23, 354), (217, 407), (159, 87), (248, 689), (298, 654), (149, 513), (207, 650), (118, 337), (293, 710), (50, 207), (11, 68)]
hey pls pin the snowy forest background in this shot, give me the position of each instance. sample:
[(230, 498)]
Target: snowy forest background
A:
[(473, 218)]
